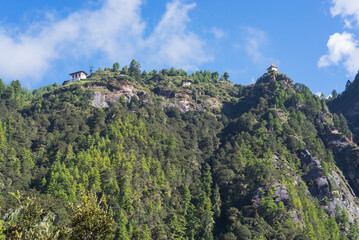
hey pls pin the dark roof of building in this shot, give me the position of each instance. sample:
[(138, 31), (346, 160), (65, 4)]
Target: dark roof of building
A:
[(78, 72)]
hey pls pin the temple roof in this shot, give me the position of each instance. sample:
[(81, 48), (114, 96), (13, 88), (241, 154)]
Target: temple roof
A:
[(78, 72)]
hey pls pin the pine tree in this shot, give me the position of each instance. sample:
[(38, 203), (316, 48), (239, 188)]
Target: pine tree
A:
[(333, 229), (177, 227), (186, 198), (26, 162), (207, 179), (135, 70), (122, 226), (334, 94), (2, 140), (2, 87), (217, 203)]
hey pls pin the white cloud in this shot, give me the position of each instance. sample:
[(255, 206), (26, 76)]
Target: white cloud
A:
[(346, 9), (348, 23), (342, 47), (172, 43), (29, 55), (25, 57), (116, 29)]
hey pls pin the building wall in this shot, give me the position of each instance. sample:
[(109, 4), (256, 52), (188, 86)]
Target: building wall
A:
[(74, 79), (272, 69), (83, 76), (77, 77)]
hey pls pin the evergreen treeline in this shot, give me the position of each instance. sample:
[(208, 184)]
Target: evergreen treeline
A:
[(136, 170)]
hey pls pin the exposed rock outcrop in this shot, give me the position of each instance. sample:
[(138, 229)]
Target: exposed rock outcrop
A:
[(281, 194), (346, 155), (331, 189), (343, 196), (103, 97), (314, 176), (183, 105), (99, 100)]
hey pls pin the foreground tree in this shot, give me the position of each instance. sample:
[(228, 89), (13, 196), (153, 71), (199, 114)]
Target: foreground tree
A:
[(90, 220), (30, 221)]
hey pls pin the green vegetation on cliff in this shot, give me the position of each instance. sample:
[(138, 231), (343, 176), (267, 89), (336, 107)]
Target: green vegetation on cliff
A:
[(167, 155)]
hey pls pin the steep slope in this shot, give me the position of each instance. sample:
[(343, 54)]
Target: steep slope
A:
[(180, 156), (274, 170), (347, 104)]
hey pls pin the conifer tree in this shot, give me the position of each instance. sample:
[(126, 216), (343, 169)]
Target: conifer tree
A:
[(135, 70), (115, 67)]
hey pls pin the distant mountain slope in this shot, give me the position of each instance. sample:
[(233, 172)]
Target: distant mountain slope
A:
[(347, 104), (179, 156)]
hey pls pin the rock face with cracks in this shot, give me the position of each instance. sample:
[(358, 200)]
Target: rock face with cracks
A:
[(331, 189), (314, 176), (346, 155), (103, 97)]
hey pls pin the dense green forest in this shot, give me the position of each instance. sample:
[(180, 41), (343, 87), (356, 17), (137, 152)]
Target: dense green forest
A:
[(126, 154)]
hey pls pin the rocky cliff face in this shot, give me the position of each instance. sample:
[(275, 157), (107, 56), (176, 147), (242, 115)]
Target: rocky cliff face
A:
[(314, 176), (346, 155), (331, 188), (103, 97), (280, 194)]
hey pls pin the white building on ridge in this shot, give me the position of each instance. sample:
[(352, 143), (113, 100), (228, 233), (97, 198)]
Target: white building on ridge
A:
[(272, 68), (76, 76)]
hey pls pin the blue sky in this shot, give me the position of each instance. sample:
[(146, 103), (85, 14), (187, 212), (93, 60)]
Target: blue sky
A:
[(313, 42)]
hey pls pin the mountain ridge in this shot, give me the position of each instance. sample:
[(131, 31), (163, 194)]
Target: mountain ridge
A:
[(207, 160)]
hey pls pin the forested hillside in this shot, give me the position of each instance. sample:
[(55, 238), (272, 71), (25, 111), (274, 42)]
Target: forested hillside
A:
[(346, 105), (126, 154)]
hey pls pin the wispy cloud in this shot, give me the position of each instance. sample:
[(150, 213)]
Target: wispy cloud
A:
[(348, 23), (116, 29), (217, 32), (254, 42)]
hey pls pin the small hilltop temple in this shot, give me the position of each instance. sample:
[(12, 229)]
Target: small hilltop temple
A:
[(272, 68)]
